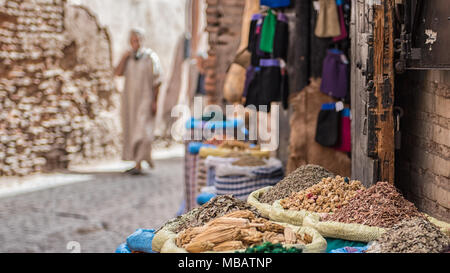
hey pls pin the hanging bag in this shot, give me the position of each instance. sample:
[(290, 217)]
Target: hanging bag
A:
[(327, 24), (345, 132), (327, 130)]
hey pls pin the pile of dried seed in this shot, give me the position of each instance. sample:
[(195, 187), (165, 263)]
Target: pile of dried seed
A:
[(249, 160), (416, 235), (327, 196), (216, 207), (300, 179), (380, 205), (179, 222)]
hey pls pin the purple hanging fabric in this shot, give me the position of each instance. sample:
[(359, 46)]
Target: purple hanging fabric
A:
[(334, 75)]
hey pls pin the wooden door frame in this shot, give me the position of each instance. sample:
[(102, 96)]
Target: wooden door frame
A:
[(372, 91)]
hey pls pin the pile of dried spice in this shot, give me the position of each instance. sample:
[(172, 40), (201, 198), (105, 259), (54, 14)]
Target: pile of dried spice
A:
[(416, 235), (381, 205), (327, 196), (216, 207), (237, 230), (249, 160), (300, 179)]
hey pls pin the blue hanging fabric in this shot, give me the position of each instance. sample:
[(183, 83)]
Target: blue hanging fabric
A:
[(275, 3)]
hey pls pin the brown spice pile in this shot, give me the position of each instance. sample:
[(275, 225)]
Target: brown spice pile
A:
[(416, 235), (234, 144), (381, 205), (237, 230), (327, 196), (248, 160), (216, 207), (300, 179)]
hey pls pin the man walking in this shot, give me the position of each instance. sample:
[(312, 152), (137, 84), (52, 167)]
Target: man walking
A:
[(142, 70)]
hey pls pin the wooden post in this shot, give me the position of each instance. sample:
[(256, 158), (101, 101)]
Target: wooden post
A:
[(381, 99)]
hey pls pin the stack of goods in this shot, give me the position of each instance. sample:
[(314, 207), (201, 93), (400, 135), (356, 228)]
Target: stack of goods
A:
[(235, 231), (333, 122), (192, 171), (56, 87), (381, 205), (415, 235), (234, 145), (249, 160), (300, 179), (266, 77), (216, 207), (325, 197), (365, 217)]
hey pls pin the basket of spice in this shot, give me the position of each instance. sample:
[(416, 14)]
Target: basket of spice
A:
[(323, 198), (239, 230), (366, 216), (216, 207), (415, 235), (300, 179)]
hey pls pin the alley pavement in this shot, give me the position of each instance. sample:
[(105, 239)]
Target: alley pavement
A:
[(91, 216)]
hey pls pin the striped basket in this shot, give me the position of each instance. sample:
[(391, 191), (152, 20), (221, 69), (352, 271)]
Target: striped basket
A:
[(241, 186)]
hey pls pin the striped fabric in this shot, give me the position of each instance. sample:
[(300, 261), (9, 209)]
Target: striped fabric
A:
[(190, 164), (241, 186)]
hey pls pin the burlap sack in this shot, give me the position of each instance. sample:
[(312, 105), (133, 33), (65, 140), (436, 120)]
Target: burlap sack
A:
[(327, 24), (344, 231), (443, 226), (303, 149), (160, 239), (234, 83), (318, 245), (357, 232), (293, 217), (263, 208)]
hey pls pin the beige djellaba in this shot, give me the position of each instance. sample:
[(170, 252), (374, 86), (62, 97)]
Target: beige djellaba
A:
[(141, 77)]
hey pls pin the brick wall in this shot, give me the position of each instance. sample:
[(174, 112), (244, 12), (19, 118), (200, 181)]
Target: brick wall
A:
[(224, 23), (56, 87), (423, 163)]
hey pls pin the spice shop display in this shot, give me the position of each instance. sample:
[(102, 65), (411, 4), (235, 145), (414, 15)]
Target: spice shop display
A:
[(238, 230), (381, 205), (415, 235), (325, 197), (300, 179), (365, 217)]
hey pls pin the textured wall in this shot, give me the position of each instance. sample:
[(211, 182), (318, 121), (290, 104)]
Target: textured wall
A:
[(56, 87), (423, 164), (224, 23)]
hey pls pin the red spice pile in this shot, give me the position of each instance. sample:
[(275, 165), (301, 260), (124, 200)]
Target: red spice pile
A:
[(380, 205)]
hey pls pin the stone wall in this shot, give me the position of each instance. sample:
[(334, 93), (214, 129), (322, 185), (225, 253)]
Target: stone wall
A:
[(56, 87), (423, 163), (224, 23)]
